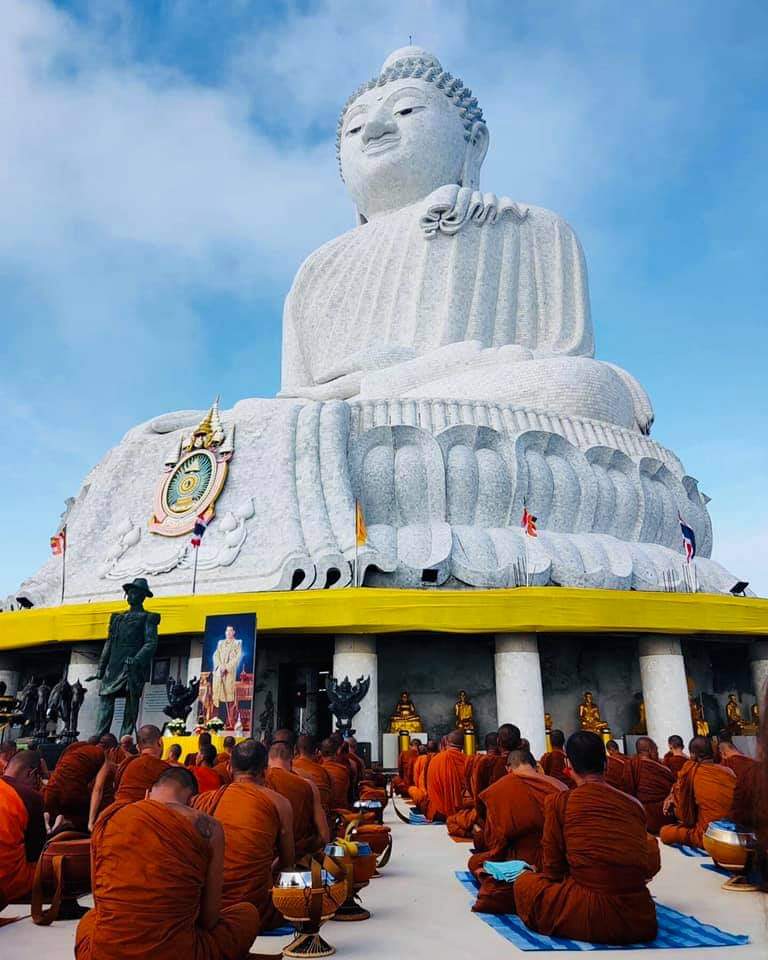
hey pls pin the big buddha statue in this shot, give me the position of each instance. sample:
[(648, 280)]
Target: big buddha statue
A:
[(438, 367)]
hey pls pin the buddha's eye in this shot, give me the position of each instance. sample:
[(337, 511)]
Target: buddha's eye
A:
[(353, 130), (406, 111)]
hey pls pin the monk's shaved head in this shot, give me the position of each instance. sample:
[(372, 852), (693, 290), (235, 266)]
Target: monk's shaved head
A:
[(508, 737), (204, 738), (700, 748), (612, 747), (586, 752), (305, 746), (7, 748), (415, 742), (675, 742), (557, 739), (94, 741), (249, 757), (109, 741), (174, 784), (455, 738), (174, 751), (280, 751), (433, 746), (645, 747), (518, 758), (23, 763), (229, 743), (148, 736), (207, 755), (491, 741), (284, 736), (328, 747), (724, 736)]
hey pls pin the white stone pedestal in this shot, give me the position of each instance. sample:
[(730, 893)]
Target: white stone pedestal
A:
[(665, 691), (389, 752), (355, 656), (519, 695)]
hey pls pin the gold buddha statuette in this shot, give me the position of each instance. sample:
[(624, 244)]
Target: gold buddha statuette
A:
[(700, 725), (464, 712), (590, 719), (405, 716)]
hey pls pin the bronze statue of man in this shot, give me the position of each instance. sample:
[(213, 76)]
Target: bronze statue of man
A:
[(124, 666)]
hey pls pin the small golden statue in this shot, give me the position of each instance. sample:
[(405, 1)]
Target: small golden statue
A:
[(590, 719), (548, 723), (755, 714), (641, 727), (700, 725), (734, 719), (405, 716), (465, 719)]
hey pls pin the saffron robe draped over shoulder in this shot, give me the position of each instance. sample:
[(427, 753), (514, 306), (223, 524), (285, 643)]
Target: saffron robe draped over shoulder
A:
[(675, 762), (553, 764), (299, 794), (316, 772), (149, 869), (69, 788), (739, 763), (405, 775), (16, 873), (596, 860), (251, 828), (136, 775), (339, 775), (650, 781), (418, 792), (616, 772), (746, 797), (703, 792), (446, 783)]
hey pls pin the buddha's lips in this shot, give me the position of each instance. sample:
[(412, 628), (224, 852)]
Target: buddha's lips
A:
[(381, 144)]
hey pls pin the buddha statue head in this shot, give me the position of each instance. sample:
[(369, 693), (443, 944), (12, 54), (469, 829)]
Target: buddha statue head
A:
[(408, 131)]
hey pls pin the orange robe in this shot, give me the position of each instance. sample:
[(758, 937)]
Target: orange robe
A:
[(703, 792), (446, 783), (482, 771), (251, 828), (418, 792), (69, 788), (299, 794), (406, 763), (675, 762), (316, 772), (339, 774), (650, 781), (207, 778), (553, 764), (739, 763), (149, 868), (744, 809), (16, 874), (136, 775), (596, 861), (616, 772)]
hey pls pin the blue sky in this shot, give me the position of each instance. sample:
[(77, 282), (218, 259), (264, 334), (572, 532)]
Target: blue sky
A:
[(165, 166)]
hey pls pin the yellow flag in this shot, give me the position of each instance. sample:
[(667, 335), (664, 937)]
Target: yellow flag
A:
[(360, 532)]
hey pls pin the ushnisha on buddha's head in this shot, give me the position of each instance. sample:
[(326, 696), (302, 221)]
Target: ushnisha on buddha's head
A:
[(408, 131)]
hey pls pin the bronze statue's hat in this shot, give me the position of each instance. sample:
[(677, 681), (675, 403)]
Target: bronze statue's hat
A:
[(140, 583)]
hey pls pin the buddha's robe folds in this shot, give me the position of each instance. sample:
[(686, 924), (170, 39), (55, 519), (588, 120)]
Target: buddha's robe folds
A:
[(616, 772), (298, 793), (650, 781), (316, 772), (22, 837), (596, 860), (69, 788), (675, 762), (554, 765), (339, 774), (149, 869), (446, 784), (703, 792), (136, 775), (746, 795), (251, 828)]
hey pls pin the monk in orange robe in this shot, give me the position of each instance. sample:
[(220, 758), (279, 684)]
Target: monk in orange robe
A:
[(306, 764), (310, 826), (482, 771), (616, 770), (68, 793), (157, 883), (112, 749), (703, 792), (205, 772), (676, 757), (555, 763), (339, 774), (446, 779), (650, 781), (405, 764), (355, 759), (131, 779), (745, 809), (730, 756), (174, 755), (225, 755), (507, 740), (596, 859), (258, 830), (418, 792), (22, 825)]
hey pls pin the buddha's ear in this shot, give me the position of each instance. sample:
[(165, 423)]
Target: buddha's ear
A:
[(477, 147)]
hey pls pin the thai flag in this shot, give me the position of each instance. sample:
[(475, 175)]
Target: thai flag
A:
[(59, 543), (689, 540), (201, 525), (528, 523)]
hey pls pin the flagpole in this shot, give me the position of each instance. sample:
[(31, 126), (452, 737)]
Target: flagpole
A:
[(357, 558), (194, 570), (63, 569)]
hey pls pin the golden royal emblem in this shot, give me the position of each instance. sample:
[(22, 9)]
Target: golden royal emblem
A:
[(194, 477)]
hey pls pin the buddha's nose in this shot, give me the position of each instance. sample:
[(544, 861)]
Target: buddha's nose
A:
[(379, 123)]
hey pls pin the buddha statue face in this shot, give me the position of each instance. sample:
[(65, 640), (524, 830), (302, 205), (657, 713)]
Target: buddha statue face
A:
[(404, 138)]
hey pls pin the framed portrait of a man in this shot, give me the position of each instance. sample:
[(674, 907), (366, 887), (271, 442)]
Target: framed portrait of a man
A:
[(226, 679)]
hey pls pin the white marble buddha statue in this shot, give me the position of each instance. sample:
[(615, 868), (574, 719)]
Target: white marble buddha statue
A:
[(443, 291)]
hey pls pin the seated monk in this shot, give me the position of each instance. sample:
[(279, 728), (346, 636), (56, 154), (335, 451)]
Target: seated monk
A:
[(224, 755), (306, 764), (157, 883), (174, 755), (207, 777), (128, 746), (22, 825), (112, 749), (418, 792), (512, 815), (484, 765), (650, 781), (744, 807), (555, 763), (730, 755), (258, 832), (616, 769), (203, 740), (507, 740), (68, 792), (405, 764), (676, 757), (130, 780), (356, 759), (703, 792), (596, 859), (338, 771), (310, 825), (446, 779)]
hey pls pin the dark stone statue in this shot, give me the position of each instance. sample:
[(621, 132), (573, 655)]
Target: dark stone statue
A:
[(41, 711), (78, 695), (27, 698), (267, 717), (180, 698), (60, 703), (124, 666), (344, 699)]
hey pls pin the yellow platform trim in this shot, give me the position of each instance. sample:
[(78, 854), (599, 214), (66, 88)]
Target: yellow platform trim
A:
[(366, 610)]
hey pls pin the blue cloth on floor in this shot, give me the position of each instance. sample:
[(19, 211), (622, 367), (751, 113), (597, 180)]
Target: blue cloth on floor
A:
[(689, 851), (715, 869), (508, 871), (676, 930), (419, 820), (285, 931)]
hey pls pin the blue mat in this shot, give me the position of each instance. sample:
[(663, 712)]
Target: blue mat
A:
[(689, 851), (715, 869), (676, 930), (285, 931), (419, 820)]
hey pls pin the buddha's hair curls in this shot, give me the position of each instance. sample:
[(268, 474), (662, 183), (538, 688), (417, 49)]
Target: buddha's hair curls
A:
[(428, 70)]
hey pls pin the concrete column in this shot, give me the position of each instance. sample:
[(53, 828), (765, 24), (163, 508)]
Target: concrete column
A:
[(83, 662), (195, 659), (519, 695), (355, 656), (665, 691), (758, 656)]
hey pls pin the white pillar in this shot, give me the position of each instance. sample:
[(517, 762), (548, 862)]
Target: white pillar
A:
[(355, 656), (195, 659), (519, 695), (758, 655), (84, 662), (665, 690)]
